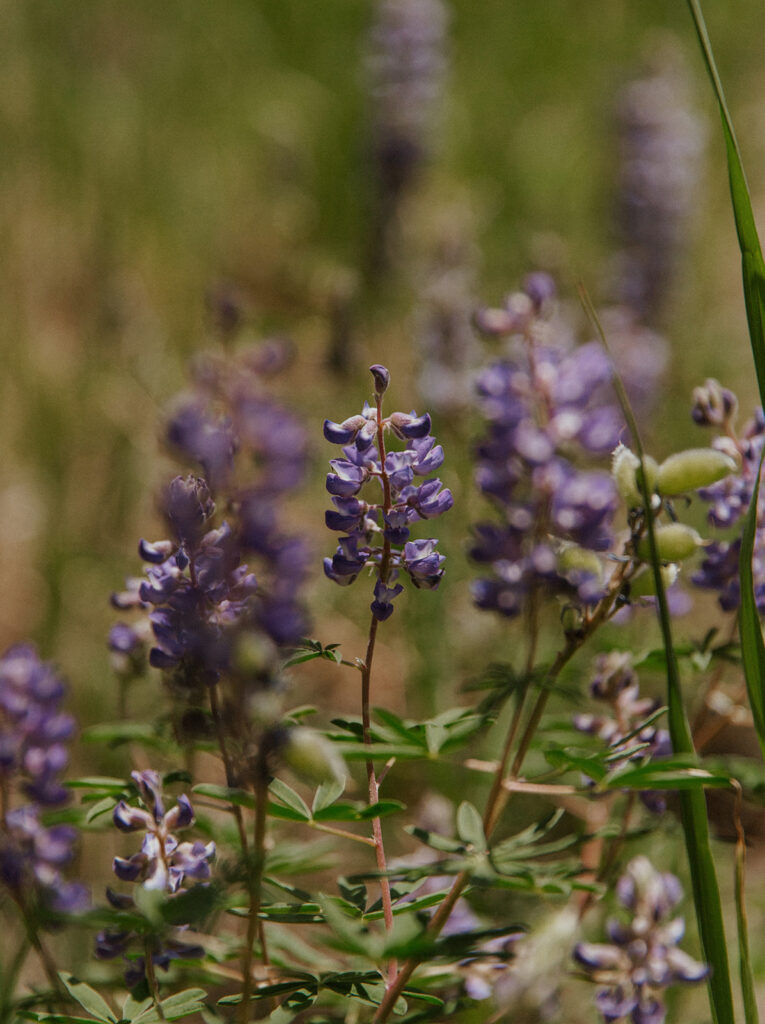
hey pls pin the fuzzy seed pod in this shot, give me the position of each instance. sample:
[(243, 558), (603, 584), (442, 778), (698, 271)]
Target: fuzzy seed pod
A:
[(693, 468), (625, 469), (674, 542)]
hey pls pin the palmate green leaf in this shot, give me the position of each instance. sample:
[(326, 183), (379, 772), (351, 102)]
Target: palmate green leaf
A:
[(470, 826), (290, 798), (327, 793), (88, 998), (226, 794), (53, 1018), (117, 733), (191, 906), (569, 759), (102, 783), (670, 773), (175, 1007)]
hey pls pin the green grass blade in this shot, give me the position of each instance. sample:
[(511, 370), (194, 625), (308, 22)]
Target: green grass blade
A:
[(706, 892), (752, 265), (752, 645)]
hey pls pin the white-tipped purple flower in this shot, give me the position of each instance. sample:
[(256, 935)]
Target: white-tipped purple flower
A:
[(642, 958), (396, 504), (162, 862)]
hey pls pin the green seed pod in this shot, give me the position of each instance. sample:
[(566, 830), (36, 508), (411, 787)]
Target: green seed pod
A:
[(625, 469), (674, 542), (313, 757), (644, 584), (696, 467), (572, 558)]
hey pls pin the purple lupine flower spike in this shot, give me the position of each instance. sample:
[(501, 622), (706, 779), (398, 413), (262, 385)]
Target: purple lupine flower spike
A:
[(642, 958), (543, 406), (404, 502)]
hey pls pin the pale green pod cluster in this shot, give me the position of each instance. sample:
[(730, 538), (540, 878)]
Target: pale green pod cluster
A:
[(674, 543), (693, 468)]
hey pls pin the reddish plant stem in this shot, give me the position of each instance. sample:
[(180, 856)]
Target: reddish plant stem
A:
[(366, 687)]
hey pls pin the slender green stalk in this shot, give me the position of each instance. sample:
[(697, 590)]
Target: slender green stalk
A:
[(220, 733), (254, 924), (745, 961)]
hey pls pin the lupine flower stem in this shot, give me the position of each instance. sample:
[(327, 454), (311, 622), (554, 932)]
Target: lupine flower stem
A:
[(220, 732), (36, 943), (254, 924), (366, 680), (151, 978)]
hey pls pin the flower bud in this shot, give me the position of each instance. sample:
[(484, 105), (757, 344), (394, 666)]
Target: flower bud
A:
[(312, 756), (693, 468), (382, 379), (674, 542), (626, 471)]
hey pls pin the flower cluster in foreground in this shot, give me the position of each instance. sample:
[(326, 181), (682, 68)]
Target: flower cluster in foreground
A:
[(162, 865)]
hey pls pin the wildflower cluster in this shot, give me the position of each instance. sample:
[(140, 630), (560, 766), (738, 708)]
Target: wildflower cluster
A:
[(162, 865), (377, 533), (34, 732), (642, 958), (544, 407), (213, 624)]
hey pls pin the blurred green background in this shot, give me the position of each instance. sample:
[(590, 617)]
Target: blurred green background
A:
[(152, 153)]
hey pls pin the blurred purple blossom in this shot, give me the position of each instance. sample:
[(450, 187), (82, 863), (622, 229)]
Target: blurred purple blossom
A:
[(543, 405), (729, 499), (642, 958), (34, 733)]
